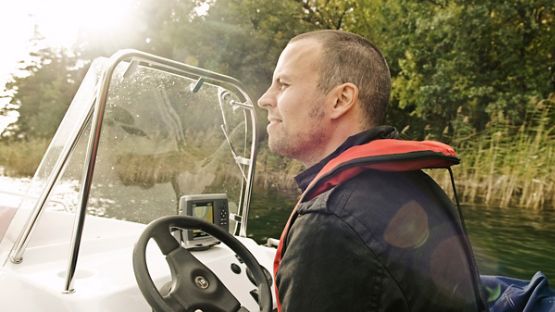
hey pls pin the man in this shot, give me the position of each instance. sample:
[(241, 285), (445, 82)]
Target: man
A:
[(380, 238)]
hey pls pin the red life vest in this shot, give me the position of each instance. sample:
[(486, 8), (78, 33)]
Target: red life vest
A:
[(383, 155)]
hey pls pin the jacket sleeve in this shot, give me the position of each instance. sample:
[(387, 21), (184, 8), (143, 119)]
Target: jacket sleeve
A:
[(326, 267)]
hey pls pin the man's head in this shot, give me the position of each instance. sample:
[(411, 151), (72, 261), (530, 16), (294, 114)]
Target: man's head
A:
[(327, 85), (348, 57)]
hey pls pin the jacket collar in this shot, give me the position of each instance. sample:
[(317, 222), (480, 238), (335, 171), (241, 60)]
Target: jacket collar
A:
[(304, 178)]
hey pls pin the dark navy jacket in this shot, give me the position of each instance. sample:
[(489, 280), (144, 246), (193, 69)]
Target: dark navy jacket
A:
[(381, 241)]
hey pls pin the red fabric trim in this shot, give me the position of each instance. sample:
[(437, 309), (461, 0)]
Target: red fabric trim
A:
[(279, 251), (389, 147), (401, 165), (369, 153)]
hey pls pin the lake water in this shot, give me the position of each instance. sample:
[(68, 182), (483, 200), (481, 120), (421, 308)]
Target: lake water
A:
[(506, 241)]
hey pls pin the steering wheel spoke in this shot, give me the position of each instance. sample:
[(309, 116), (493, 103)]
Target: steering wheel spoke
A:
[(194, 286)]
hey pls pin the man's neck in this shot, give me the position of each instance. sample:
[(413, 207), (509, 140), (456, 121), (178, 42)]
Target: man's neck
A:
[(340, 134), (381, 132)]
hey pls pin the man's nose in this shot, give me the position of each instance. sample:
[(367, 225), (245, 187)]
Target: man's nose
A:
[(266, 100)]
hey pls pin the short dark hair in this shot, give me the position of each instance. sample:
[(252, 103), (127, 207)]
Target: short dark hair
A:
[(348, 57)]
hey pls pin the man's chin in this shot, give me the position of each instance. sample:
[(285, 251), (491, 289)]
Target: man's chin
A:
[(276, 146), (272, 146)]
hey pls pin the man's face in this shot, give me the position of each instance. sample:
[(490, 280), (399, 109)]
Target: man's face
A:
[(295, 104)]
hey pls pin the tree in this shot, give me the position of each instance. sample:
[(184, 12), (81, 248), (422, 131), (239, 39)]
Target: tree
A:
[(43, 95), (463, 63), (453, 63)]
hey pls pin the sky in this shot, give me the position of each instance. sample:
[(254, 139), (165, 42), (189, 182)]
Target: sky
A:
[(16, 29), (58, 21)]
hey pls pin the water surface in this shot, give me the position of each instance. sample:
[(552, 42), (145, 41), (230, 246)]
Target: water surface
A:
[(515, 242)]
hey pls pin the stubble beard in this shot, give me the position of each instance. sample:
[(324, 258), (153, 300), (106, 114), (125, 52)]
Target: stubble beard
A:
[(302, 145)]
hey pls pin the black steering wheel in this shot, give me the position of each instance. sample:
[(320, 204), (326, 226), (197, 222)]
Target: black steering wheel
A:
[(193, 287)]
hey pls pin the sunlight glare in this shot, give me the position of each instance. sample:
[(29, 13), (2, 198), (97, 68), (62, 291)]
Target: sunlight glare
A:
[(61, 21)]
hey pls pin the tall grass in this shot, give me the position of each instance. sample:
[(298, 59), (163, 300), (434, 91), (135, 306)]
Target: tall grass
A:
[(503, 166), (21, 158), (507, 165)]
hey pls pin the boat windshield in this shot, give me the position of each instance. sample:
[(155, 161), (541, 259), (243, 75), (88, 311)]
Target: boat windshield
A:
[(165, 134), (75, 117)]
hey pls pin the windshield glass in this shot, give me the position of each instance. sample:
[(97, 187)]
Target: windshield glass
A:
[(164, 135), (70, 126), (162, 138)]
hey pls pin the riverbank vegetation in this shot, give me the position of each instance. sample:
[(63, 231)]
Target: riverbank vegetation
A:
[(508, 165), (503, 165), (21, 158), (477, 75)]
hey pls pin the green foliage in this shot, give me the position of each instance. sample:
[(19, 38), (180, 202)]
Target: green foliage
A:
[(481, 60), (462, 71), (21, 158), (42, 97), (241, 38), (507, 165), (477, 61)]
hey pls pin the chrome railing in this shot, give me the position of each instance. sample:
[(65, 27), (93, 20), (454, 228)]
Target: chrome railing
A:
[(23, 239), (133, 57)]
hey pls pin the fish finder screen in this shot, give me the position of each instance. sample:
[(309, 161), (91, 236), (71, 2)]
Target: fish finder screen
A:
[(204, 211)]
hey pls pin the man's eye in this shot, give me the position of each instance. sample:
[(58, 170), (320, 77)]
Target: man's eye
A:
[(282, 86)]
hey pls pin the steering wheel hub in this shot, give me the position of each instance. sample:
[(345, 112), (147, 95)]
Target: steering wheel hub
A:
[(201, 282)]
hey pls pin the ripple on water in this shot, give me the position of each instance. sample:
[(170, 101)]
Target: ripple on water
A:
[(512, 241)]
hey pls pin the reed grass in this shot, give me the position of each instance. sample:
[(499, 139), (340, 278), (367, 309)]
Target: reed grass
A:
[(506, 165), (21, 158)]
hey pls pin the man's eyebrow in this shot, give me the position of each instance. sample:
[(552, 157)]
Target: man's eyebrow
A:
[(282, 77)]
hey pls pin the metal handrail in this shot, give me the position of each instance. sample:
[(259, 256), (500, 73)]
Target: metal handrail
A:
[(23, 239), (98, 115)]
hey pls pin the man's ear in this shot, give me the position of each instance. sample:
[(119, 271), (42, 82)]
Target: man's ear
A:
[(345, 97)]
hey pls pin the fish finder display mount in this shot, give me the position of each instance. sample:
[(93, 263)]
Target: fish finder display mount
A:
[(212, 208)]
